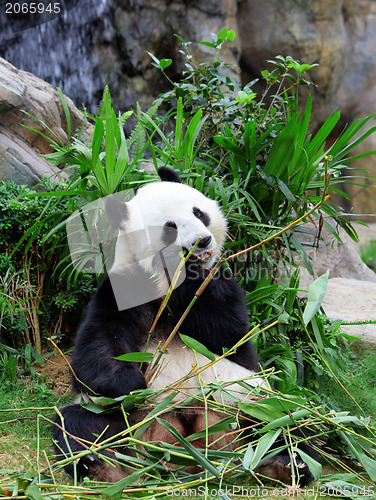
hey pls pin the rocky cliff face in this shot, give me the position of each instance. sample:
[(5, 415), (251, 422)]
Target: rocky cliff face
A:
[(23, 94), (96, 43)]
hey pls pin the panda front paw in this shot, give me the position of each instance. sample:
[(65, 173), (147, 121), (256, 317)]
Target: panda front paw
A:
[(88, 465), (279, 469), (94, 467)]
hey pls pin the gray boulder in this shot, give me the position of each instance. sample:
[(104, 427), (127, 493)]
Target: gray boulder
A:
[(21, 95), (351, 292)]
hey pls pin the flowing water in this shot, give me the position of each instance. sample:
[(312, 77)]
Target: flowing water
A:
[(60, 51)]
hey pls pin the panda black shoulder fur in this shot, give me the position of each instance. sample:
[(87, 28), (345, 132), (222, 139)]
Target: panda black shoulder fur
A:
[(218, 320)]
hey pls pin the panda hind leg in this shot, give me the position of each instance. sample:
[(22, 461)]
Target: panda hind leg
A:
[(83, 426)]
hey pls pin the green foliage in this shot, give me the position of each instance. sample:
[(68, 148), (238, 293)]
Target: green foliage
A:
[(18, 363), (33, 300), (358, 374), (256, 155), (103, 165)]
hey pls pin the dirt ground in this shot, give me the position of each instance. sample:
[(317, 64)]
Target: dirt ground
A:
[(56, 372)]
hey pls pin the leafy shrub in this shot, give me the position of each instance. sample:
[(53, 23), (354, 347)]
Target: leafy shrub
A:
[(33, 306), (256, 156)]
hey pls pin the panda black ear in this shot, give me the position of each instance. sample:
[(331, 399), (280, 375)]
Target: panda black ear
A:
[(117, 212), (168, 175)]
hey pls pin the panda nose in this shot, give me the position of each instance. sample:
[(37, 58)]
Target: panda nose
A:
[(204, 242)]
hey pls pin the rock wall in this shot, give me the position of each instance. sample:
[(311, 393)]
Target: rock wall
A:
[(20, 147)]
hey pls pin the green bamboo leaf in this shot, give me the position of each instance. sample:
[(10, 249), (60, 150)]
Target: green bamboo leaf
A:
[(116, 127), (316, 293), (341, 156), (94, 408), (136, 356), (97, 140), (221, 426), (314, 466), (110, 148), (367, 462), (58, 141), (255, 207), (263, 446), (208, 44), (100, 179), (289, 371), (149, 121), (67, 113), (261, 293), (299, 158), (302, 253), (116, 490), (314, 147), (282, 150), (33, 492), (193, 452), (195, 345), (51, 141), (121, 165), (191, 135), (287, 419), (179, 128), (230, 145), (341, 146), (248, 455), (292, 292), (270, 409), (285, 190)]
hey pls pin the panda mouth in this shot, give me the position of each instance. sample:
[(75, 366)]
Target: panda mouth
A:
[(204, 256)]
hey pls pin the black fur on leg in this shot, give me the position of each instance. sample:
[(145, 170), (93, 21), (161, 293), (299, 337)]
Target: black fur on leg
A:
[(82, 425)]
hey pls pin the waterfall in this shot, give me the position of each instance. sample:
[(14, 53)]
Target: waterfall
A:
[(62, 50)]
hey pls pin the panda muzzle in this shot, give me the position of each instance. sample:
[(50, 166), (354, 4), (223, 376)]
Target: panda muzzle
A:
[(202, 257)]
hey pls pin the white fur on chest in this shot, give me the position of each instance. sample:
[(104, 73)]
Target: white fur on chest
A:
[(181, 361)]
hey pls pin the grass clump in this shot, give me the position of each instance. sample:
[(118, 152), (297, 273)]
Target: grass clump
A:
[(26, 408)]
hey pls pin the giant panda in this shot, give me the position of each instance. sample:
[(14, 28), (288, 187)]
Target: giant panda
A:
[(218, 320)]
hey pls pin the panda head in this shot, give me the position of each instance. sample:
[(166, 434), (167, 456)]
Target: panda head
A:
[(166, 214)]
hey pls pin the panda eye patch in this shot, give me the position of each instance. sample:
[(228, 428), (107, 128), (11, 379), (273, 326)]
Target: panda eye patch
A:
[(170, 232), (170, 225), (204, 217)]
